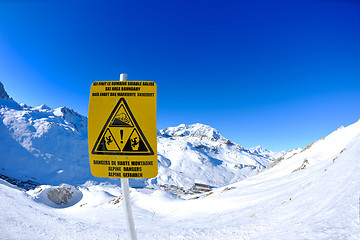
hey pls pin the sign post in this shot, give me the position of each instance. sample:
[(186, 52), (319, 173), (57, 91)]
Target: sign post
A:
[(122, 133), (128, 210), (126, 193)]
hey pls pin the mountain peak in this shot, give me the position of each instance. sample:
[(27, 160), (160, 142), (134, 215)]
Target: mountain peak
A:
[(72, 117), (194, 130), (6, 100), (42, 107), (3, 93), (258, 149)]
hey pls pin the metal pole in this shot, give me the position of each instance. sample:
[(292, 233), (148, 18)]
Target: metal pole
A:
[(126, 193), (123, 77), (128, 211)]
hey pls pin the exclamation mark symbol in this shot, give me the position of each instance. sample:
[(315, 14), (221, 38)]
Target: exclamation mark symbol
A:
[(121, 135)]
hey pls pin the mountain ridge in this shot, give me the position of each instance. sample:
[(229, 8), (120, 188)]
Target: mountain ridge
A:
[(55, 143), (312, 191), (317, 199), (3, 93)]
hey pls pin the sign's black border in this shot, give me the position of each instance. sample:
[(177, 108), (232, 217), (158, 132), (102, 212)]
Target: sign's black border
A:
[(151, 152)]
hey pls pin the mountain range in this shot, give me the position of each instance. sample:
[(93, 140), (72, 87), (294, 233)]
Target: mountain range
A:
[(49, 146), (310, 193)]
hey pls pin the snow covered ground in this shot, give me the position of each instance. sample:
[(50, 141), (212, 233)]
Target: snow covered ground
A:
[(295, 199)]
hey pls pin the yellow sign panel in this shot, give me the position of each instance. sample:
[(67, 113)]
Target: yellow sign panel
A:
[(122, 129)]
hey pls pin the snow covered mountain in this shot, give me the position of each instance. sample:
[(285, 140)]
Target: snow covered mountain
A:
[(49, 146), (198, 153), (43, 144), (328, 148), (308, 194)]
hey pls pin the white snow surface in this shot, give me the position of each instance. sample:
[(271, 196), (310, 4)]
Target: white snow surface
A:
[(319, 201)]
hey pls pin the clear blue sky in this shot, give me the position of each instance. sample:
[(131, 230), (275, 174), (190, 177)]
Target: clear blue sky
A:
[(279, 74)]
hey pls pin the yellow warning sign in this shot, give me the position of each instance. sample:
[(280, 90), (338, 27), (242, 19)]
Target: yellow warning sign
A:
[(121, 134), (122, 129)]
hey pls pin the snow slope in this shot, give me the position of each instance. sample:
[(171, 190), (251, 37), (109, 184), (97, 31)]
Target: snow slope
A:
[(291, 200)]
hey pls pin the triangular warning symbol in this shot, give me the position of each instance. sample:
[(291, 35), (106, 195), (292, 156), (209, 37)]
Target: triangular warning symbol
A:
[(107, 143), (134, 143), (121, 118), (121, 135)]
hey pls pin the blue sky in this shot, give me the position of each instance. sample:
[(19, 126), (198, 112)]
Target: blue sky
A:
[(280, 74)]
